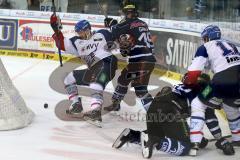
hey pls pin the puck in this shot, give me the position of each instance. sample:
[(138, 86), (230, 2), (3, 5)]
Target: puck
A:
[(45, 105)]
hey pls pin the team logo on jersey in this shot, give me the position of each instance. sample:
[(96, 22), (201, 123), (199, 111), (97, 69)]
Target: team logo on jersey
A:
[(27, 33), (91, 46)]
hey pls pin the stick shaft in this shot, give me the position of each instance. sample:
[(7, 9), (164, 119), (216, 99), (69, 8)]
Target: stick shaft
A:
[(59, 43)]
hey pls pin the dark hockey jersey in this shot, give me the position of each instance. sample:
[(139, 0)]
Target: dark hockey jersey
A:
[(142, 50)]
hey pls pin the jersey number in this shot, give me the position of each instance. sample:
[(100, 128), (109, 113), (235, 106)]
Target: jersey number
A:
[(145, 36), (237, 102), (225, 50)]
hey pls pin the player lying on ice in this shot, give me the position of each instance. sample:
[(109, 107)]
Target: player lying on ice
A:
[(224, 90), (167, 128), (95, 49)]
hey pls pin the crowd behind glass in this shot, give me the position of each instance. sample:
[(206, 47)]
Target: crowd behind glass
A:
[(187, 10)]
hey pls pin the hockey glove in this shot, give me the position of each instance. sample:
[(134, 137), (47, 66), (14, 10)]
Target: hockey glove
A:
[(59, 40), (55, 22), (190, 79), (109, 22), (126, 42), (110, 46), (203, 80)]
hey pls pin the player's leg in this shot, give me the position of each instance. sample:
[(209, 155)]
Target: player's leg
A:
[(79, 77), (127, 136), (120, 90), (207, 99), (196, 124), (213, 125), (96, 103), (70, 82), (102, 72), (142, 72), (233, 116)]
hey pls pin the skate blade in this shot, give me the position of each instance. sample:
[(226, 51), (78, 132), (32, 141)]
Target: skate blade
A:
[(117, 142), (145, 150), (93, 122), (74, 115), (193, 152), (114, 113)]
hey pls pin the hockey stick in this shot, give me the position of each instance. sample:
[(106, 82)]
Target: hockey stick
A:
[(59, 43), (212, 140), (101, 9)]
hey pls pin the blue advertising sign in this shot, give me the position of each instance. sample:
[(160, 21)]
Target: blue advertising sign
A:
[(8, 34)]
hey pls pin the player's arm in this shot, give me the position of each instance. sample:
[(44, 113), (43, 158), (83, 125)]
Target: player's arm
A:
[(107, 35), (109, 22), (62, 43), (120, 29), (195, 69)]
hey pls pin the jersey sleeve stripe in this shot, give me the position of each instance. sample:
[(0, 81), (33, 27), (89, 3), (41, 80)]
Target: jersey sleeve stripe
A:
[(201, 51), (73, 39)]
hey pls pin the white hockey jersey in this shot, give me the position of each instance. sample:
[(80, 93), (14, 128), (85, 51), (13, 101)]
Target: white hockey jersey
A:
[(216, 54), (91, 50)]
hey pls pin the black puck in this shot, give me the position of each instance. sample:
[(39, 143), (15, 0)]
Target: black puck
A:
[(45, 105)]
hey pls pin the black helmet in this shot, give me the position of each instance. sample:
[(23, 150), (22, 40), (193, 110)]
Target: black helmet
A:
[(130, 8)]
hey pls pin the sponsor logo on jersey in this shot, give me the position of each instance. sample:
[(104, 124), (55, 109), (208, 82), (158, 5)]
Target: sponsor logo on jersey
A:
[(232, 59), (137, 24), (8, 34)]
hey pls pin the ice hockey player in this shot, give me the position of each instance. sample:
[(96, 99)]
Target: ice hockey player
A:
[(95, 49), (167, 129), (135, 42), (224, 61)]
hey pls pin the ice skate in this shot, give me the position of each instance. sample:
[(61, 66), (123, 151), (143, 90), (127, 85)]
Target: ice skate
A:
[(94, 117), (225, 146), (75, 108), (147, 145), (203, 143), (115, 106), (194, 149), (127, 135)]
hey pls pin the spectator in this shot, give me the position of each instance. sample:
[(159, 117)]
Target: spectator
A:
[(85, 9), (3, 4), (18, 4)]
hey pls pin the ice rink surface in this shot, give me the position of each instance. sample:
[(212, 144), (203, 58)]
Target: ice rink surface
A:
[(49, 138)]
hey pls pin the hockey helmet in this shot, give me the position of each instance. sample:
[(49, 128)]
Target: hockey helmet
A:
[(211, 32), (83, 29), (130, 9)]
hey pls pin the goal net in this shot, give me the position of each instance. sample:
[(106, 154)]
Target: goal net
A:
[(14, 113)]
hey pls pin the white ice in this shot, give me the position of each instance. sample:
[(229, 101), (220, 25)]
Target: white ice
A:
[(49, 138)]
